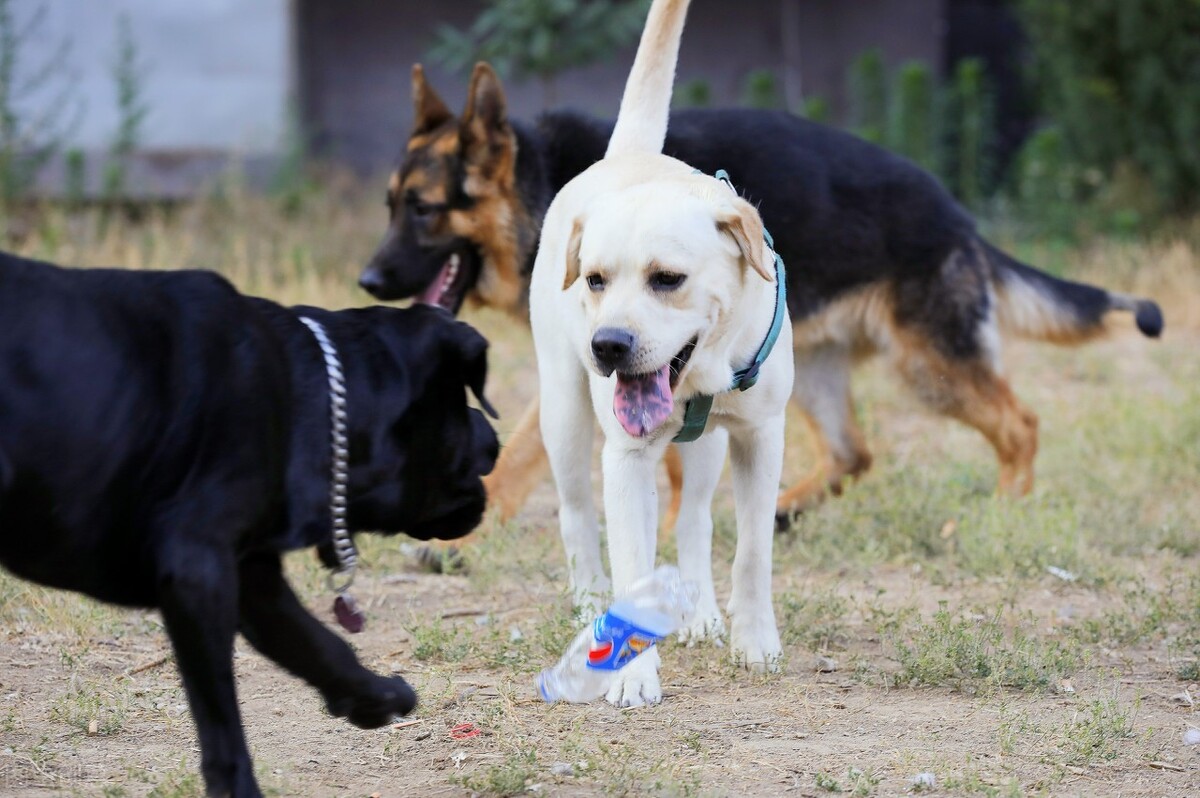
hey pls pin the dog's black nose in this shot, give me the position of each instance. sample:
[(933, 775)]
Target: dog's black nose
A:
[(371, 280), (612, 348)]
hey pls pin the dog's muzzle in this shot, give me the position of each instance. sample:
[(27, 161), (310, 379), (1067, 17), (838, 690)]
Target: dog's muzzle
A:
[(612, 349)]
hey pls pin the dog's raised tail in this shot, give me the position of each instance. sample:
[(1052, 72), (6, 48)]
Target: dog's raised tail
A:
[(642, 121), (1038, 305)]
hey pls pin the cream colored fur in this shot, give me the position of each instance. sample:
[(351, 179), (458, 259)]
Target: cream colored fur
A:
[(631, 215)]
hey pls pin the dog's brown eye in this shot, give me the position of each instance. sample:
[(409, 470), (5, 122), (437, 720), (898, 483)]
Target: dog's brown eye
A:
[(666, 281), (595, 282)]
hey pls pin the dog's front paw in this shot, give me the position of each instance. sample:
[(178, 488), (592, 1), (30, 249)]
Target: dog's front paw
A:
[(706, 624), (755, 645), (376, 704), (637, 684)]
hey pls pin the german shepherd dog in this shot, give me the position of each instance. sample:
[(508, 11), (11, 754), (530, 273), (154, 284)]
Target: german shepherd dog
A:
[(881, 260)]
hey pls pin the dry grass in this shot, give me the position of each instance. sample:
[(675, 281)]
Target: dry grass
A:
[(957, 652)]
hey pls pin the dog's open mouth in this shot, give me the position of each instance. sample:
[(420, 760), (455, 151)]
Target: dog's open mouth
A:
[(450, 286), (643, 402)]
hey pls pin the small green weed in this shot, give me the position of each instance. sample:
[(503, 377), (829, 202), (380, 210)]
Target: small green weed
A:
[(91, 710), (815, 622), (976, 648), (828, 783), (438, 642), (1096, 731), (511, 777)]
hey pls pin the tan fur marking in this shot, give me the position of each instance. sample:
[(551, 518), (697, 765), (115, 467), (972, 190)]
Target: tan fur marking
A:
[(419, 142), (832, 469), (1021, 309), (573, 245), (745, 226), (674, 464), (522, 465), (862, 321), (974, 394), (446, 145)]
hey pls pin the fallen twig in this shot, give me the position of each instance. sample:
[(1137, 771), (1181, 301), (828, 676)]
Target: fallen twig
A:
[(147, 666)]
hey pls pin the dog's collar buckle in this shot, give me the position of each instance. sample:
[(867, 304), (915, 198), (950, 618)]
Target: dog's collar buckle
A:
[(695, 412), (344, 607)]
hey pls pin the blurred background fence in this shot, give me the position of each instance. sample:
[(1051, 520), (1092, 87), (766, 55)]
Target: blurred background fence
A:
[(1061, 117)]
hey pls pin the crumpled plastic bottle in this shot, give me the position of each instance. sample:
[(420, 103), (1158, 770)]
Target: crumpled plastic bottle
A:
[(654, 607)]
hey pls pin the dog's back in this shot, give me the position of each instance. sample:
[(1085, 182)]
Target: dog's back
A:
[(106, 376)]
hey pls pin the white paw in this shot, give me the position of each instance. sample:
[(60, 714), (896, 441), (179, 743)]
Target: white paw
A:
[(637, 684), (754, 644), (706, 624)]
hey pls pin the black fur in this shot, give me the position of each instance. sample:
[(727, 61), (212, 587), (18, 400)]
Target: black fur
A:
[(844, 214), (163, 439)]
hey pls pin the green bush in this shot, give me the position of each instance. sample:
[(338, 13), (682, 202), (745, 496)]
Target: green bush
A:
[(913, 128), (972, 124), (760, 89), (1121, 80), (868, 96), (541, 38), (693, 94)]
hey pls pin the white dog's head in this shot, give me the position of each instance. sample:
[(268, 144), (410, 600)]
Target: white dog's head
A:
[(664, 263)]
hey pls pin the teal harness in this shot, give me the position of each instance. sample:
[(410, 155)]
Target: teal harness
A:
[(695, 412)]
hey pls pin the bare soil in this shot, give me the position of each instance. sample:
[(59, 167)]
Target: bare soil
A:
[(90, 702)]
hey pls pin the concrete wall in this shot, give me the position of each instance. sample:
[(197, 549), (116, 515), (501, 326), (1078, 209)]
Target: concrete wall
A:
[(216, 72)]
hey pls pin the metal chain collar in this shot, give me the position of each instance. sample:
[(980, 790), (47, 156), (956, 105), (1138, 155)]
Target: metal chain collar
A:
[(343, 546)]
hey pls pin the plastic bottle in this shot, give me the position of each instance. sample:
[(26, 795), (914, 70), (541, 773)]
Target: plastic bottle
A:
[(654, 607)]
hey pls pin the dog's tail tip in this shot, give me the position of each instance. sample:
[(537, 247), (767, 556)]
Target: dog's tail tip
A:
[(1149, 318), (1146, 313)]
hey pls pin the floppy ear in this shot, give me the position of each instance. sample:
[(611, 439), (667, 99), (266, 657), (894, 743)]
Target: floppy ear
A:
[(741, 222), (573, 244), (428, 109), (471, 350)]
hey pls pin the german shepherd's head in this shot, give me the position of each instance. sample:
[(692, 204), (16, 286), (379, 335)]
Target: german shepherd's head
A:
[(458, 227)]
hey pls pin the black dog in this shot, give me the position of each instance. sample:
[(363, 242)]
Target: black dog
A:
[(880, 260), (164, 438)]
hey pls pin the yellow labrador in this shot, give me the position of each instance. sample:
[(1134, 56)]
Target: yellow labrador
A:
[(653, 286)]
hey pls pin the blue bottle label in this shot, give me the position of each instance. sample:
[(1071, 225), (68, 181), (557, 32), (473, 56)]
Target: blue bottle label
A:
[(615, 641)]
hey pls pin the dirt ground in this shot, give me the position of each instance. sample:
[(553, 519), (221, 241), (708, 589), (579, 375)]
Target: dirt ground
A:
[(866, 704)]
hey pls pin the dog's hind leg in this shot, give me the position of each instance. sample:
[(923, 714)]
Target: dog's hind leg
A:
[(674, 463), (822, 390), (278, 625), (197, 593), (971, 390), (702, 462), (521, 466)]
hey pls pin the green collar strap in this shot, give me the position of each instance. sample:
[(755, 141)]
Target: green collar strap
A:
[(695, 412)]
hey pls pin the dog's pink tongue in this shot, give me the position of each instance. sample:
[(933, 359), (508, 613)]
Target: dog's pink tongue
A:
[(432, 295), (642, 402)]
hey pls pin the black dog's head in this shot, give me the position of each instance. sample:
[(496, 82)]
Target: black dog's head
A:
[(457, 227), (417, 449)]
